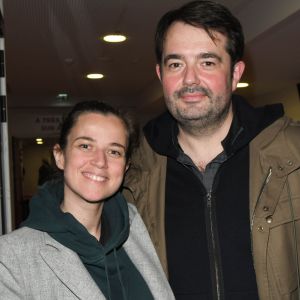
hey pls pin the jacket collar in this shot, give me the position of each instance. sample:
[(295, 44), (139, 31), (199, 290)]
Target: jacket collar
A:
[(67, 266), (161, 132)]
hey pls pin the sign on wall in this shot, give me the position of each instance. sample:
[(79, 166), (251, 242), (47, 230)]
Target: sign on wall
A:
[(49, 124)]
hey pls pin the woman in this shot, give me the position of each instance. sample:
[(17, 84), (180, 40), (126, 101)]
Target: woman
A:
[(81, 239)]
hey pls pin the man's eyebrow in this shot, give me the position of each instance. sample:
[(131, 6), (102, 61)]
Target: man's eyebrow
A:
[(172, 56), (200, 55), (210, 55)]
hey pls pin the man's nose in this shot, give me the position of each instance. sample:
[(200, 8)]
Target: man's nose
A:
[(191, 76)]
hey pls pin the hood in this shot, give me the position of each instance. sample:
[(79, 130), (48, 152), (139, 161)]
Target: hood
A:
[(46, 215), (161, 132)]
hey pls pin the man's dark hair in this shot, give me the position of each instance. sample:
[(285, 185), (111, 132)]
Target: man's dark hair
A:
[(210, 16), (95, 106)]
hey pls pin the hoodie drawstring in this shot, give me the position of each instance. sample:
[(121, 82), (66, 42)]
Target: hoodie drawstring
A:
[(119, 275), (107, 280)]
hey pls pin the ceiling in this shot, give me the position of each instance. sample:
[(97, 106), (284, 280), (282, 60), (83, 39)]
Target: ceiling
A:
[(51, 45)]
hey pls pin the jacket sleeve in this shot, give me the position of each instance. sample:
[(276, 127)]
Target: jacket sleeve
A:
[(11, 279)]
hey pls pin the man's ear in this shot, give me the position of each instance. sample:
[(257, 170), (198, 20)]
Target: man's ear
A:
[(238, 71), (59, 157), (158, 71)]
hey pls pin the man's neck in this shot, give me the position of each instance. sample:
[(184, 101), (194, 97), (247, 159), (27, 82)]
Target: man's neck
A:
[(203, 146)]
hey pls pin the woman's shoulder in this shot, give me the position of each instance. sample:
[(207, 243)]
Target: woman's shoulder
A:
[(20, 233), (21, 238), (133, 212)]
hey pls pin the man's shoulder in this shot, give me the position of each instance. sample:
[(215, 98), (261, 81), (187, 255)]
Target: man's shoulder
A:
[(145, 157), (145, 165), (285, 125), (292, 129), (283, 134)]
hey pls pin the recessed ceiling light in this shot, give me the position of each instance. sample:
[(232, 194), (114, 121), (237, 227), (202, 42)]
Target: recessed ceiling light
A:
[(114, 38), (242, 84), (94, 76)]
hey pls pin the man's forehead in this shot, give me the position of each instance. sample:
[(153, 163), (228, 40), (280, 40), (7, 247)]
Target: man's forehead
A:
[(177, 30)]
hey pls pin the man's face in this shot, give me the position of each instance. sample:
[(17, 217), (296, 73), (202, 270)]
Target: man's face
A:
[(196, 75)]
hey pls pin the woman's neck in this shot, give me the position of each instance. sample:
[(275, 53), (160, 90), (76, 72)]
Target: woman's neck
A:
[(88, 214)]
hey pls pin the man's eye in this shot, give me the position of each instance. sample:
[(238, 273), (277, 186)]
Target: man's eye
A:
[(84, 146), (174, 65), (209, 64)]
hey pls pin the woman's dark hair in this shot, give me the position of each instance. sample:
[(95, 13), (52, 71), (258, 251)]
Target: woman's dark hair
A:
[(210, 16), (102, 108)]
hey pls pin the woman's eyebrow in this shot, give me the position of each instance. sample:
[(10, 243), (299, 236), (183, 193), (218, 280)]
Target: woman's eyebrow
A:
[(118, 145), (84, 138)]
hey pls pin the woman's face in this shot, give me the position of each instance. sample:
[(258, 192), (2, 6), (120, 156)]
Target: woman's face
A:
[(94, 160)]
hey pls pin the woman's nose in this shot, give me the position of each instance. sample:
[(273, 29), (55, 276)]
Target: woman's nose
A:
[(100, 159)]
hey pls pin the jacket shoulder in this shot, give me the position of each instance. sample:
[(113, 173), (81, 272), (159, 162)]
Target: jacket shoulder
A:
[(145, 164), (15, 249), (284, 125), (276, 145), (292, 130), (145, 155), (20, 238)]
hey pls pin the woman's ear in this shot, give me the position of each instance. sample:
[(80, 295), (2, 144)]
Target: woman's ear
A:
[(59, 157)]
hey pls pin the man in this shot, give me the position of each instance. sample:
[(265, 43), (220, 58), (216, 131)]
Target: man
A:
[(217, 181)]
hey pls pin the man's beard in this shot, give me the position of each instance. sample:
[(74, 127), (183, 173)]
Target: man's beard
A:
[(199, 119)]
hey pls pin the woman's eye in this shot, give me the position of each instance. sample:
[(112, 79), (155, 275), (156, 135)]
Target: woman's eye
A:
[(115, 153)]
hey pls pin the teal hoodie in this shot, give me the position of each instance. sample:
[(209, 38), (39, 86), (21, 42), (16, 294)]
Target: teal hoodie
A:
[(107, 262)]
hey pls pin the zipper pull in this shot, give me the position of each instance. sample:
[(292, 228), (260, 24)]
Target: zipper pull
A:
[(269, 176), (208, 197)]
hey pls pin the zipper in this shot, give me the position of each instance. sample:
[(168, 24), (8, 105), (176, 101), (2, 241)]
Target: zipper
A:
[(214, 255), (214, 251)]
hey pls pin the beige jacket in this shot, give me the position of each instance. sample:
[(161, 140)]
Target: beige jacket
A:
[(274, 205)]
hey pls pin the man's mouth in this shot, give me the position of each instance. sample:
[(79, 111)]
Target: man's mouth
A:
[(195, 91)]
